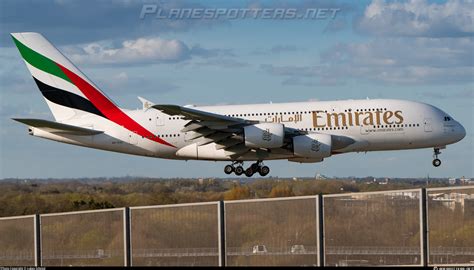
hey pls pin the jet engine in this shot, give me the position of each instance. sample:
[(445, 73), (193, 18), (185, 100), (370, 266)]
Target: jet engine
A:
[(264, 135), (312, 146)]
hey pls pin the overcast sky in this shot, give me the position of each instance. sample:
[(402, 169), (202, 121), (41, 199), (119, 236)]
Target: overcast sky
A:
[(415, 50)]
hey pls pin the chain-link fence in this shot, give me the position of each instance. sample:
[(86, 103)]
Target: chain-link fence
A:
[(83, 238), (185, 234), (403, 227), (379, 228), (271, 232), (17, 241), (451, 226)]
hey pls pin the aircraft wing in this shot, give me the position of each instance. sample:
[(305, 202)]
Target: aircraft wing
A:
[(57, 128), (225, 131), (198, 115)]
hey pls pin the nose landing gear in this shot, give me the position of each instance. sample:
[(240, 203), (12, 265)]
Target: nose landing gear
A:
[(436, 161), (250, 171)]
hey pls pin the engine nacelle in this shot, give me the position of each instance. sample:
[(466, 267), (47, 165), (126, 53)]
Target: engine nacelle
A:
[(313, 146), (264, 135)]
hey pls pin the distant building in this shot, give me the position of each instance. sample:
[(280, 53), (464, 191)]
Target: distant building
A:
[(453, 181), (374, 180), (466, 181), (404, 195), (319, 176), (385, 181), (461, 181), (371, 181), (455, 199)]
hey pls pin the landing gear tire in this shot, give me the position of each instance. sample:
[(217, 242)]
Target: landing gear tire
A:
[(255, 167), (264, 170), (249, 172), (436, 161), (229, 169), (239, 170)]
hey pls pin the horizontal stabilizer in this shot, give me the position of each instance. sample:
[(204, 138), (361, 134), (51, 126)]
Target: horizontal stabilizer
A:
[(58, 128)]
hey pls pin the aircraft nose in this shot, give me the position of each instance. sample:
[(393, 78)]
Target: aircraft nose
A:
[(461, 131)]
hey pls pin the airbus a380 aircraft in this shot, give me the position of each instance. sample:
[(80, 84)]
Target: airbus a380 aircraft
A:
[(299, 132)]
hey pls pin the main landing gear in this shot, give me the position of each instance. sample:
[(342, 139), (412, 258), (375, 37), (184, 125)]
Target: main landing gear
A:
[(250, 171), (238, 170), (436, 161)]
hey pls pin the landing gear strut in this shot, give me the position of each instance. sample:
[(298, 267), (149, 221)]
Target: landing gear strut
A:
[(250, 171), (436, 161)]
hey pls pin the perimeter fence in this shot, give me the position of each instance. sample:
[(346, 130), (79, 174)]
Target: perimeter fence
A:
[(417, 227)]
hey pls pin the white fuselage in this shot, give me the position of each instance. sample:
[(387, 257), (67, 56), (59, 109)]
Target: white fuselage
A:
[(375, 125)]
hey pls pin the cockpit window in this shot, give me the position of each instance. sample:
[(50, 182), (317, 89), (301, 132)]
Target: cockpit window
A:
[(447, 118)]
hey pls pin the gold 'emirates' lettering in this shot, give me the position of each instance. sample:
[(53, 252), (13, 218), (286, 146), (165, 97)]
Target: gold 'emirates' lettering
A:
[(323, 119), (377, 116), (369, 119), (335, 117), (357, 114), (315, 119), (386, 117), (398, 114)]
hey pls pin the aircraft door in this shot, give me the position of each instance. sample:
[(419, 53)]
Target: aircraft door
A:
[(427, 124), (160, 120)]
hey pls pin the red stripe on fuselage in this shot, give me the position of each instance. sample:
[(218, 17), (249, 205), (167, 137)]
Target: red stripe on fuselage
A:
[(107, 108)]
